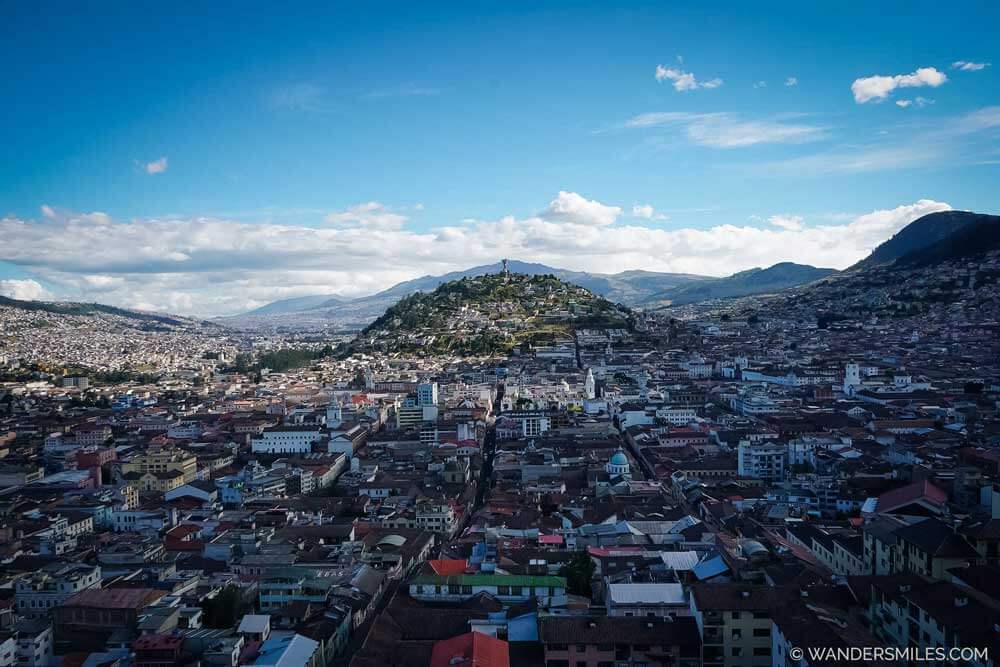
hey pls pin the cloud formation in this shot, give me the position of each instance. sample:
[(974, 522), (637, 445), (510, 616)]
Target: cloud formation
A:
[(25, 290), (879, 87), (730, 130), (684, 81), (968, 66), (575, 209), (208, 266), (156, 166), (792, 223), (791, 81), (371, 215), (646, 212)]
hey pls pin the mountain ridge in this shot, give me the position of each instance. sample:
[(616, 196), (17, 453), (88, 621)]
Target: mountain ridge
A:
[(923, 232), (774, 278)]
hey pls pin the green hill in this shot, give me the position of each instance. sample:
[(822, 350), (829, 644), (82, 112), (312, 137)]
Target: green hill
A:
[(489, 315)]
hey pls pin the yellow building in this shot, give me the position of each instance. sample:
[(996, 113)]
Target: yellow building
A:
[(163, 460), (156, 482)]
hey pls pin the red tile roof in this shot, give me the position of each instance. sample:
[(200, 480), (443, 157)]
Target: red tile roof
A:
[(448, 567), (473, 649), (922, 490)]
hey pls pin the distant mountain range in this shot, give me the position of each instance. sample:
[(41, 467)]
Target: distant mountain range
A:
[(625, 287), (931, 239), (752, 281), (633, 288), (921, 272)]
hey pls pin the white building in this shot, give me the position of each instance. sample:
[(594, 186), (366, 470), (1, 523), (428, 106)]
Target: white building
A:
[(676, 415), (647, 599), (763, 460), (34, 643), (852, 378), (286, 440), (37, 593)]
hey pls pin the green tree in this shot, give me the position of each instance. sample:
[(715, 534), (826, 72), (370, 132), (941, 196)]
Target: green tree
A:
[(579, 572), (224, 609)]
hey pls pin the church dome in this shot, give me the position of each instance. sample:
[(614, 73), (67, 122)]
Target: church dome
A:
[(619, 459)]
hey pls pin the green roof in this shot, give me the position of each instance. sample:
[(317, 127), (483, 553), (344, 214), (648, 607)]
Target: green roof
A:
[(490, 580)]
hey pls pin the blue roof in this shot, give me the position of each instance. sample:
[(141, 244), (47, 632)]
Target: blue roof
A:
[(619, 459), (710, 567)]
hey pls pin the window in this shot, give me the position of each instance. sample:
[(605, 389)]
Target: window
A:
[(581, 648), (762, 632), (558, 647), (737, 652), (735, 614), (762, 651)]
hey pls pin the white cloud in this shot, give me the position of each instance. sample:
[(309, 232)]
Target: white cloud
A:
[(903, 103), (956, 140), (231, 266), (684, 81), (25, 290), (760, 84), (791, 81), (880, 87), (574, 209), (968, 66), (646, 212), (792, 223), (728, 130), (156, 166), (372, 215)]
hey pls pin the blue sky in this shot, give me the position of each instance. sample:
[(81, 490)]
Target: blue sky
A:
[(444, 135)]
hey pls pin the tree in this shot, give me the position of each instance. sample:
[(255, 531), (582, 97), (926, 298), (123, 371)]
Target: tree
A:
[(578, 572), (224, 609)]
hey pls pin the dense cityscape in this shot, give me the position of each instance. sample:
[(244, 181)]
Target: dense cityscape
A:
[(500, 334)]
